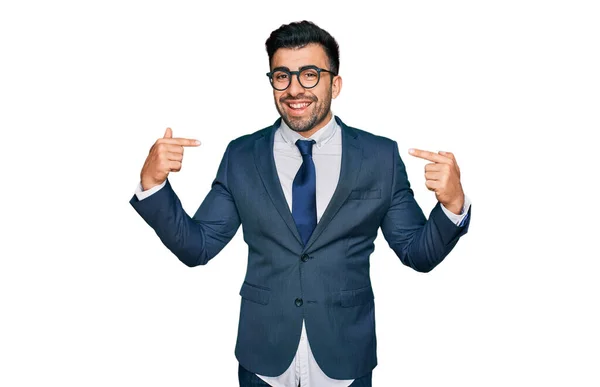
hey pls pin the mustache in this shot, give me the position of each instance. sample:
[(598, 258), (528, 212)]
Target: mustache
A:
[(299, 97)]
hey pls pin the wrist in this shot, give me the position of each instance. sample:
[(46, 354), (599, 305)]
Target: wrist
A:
[(456, 207), (148, 184)]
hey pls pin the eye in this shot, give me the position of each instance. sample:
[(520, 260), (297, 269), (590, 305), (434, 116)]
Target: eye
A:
[(280, 76), (310, 74)]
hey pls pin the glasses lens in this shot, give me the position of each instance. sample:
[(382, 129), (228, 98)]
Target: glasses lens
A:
[(309, 78), (280, 80)]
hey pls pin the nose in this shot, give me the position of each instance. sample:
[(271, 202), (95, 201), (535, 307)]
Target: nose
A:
[(295, 87)]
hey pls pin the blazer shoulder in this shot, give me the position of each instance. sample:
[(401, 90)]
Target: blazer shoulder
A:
[(246, 141), (368, 138)]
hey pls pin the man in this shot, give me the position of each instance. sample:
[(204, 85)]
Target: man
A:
[(312, 193)]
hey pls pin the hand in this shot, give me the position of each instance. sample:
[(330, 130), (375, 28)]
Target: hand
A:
[(443, 177), (165, 156)]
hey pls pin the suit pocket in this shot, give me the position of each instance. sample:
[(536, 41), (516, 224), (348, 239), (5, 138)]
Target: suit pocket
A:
[(255, 294), (357, 296), (362, 194)]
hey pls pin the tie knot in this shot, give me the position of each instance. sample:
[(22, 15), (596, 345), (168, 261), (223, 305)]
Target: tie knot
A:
[(305, 147)]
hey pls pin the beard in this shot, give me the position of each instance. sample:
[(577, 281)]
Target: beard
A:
[(320, 110)]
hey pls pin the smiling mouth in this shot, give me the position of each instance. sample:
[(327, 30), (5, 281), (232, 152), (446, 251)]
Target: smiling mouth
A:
[(298, 107)]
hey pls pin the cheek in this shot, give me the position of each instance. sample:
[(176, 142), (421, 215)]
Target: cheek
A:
[(277, 97), (322, 97), (323, 94)]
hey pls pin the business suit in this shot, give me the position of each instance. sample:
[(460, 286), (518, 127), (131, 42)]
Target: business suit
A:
[(326, 282)]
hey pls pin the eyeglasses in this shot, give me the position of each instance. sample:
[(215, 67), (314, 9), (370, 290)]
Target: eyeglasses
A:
[(308, 77)]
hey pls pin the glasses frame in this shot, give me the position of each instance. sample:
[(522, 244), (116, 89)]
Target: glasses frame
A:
[(297, 74)]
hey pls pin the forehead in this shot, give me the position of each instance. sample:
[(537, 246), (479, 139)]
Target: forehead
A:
[(294, 58)]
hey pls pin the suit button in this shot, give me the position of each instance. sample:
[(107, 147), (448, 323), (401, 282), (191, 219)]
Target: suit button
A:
[(304, 257), (298, 302)]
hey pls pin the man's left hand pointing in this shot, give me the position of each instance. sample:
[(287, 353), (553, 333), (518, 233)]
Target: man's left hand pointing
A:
[(442, 176)]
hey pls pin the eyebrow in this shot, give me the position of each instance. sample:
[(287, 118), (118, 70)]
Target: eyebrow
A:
[(283, 68)]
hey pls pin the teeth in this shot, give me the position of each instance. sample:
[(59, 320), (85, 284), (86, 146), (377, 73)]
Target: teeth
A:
[(299, 105)]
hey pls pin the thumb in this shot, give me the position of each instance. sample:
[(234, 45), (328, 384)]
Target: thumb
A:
[(168, 133)]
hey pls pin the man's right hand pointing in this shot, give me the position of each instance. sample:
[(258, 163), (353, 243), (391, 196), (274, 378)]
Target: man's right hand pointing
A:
[(165, 156)]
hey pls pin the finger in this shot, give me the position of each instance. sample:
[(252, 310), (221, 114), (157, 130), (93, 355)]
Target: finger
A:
[(172, 148), (174, 166), (434, 176), (163, 148), (174, 156), (451, 156), (447, 154), (179, 141), (168, 133), (432, 185), (423, 154), (440, 168), (433, 167)]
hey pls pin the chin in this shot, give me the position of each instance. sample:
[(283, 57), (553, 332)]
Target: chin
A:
[(299, 124)]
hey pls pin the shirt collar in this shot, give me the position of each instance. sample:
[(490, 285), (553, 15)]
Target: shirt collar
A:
[(321, 136)]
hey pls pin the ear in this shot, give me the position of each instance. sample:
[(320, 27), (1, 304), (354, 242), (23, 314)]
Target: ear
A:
[(336, 86)]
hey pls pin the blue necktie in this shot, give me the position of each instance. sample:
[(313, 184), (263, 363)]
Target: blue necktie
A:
[(304, 192)]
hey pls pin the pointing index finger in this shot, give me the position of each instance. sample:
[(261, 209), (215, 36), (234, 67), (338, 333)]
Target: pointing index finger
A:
[(180, 141), (423, 154)]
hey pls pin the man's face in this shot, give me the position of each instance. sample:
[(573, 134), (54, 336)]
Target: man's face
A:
[(305, 110)]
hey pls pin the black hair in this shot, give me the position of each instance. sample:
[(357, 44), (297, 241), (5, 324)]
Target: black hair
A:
[(299, 34)]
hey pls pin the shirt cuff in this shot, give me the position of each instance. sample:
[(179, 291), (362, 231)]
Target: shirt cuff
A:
[(141, 195), (457, 219)]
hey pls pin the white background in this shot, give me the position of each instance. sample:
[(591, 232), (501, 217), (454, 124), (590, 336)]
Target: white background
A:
[(90, 297)]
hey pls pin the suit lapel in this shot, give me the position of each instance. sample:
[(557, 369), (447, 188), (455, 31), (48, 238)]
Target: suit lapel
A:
[(265, 163), (351, 162)]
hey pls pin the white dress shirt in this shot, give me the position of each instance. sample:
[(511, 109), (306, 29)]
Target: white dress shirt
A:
[(327, 157)]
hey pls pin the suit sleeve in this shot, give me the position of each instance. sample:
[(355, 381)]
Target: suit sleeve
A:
[(420, 243), (194, 240)]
